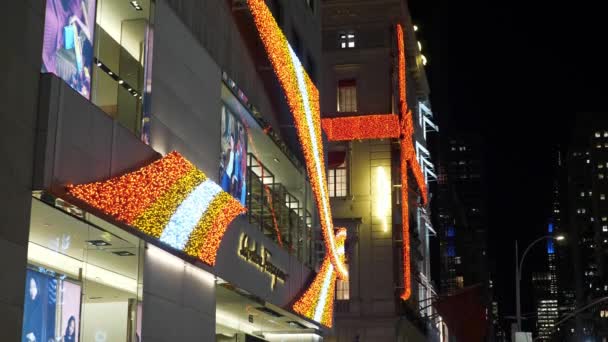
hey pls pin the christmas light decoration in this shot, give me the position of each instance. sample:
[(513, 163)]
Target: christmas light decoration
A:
[(186, 217), (317, 302), (303, 101), (380, 126), (369, 126), (169, 199)]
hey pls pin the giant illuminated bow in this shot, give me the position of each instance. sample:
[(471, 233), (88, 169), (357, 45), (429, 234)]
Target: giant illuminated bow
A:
[(383, 126), (303, 101)]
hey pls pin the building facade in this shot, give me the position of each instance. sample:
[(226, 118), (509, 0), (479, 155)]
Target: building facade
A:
[(462, 222), (583, 214), (546, 292), (361, 83), (155, 186)]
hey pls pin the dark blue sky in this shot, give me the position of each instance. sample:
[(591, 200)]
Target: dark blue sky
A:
[(515, 72)]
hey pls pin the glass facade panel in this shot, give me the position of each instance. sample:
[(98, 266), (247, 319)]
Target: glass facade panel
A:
[(122, 29), (84, 277)]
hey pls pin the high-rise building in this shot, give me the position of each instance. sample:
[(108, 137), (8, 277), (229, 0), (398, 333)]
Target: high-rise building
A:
[(463, 214), (546, 292), (370, 52), (462, 220), (163, 174), (583, 211)]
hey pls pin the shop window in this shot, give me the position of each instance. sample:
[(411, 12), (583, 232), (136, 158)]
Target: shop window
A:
[(121, 37), (337, 179), (83, 281), (347, 96)]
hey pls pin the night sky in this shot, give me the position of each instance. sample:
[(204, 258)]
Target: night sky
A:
[(515, 72)]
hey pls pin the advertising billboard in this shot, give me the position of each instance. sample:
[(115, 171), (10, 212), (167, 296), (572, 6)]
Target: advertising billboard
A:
[(233, 160), (52, 308), (40, 307), (67, 50), (70, 311)]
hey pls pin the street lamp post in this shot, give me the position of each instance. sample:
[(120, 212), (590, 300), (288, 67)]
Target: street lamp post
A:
[(518, 267)]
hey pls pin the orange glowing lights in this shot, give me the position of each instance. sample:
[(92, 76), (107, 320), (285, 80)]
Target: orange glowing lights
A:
[(303, 101), (169, 199), (363, 127), (379, 126), (317, 302)]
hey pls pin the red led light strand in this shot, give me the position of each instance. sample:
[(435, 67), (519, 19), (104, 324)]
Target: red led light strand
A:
[(408, 158), (362, 127)]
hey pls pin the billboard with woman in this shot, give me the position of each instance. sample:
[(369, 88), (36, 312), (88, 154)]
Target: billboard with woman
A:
[(233, 160), (67, 50)]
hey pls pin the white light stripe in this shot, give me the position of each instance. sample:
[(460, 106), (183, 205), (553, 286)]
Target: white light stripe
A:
[(187, 215), (297, 65), (324, 293)]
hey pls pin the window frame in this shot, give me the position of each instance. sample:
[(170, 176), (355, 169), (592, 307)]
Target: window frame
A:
[(347, 40), (333, 186), (342, 99)]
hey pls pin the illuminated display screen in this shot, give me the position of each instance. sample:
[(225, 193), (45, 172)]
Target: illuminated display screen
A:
[(233, 161), (50, 301), (67, 49)]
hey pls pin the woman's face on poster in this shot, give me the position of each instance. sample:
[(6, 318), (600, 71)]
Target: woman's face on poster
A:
[(33, 289)]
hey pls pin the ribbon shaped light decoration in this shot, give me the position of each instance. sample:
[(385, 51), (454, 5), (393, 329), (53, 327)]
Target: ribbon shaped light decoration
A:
[(382, 126), (303, 100)]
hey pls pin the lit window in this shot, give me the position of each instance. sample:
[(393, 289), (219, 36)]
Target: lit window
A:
[(457, 260), (347, 40), (598, 146), (582, 194), (347, 96), (460, 281), (605, 228), (600, 176), (600, 166), (597, 134), (605, 134), (602, 197), (336, 174), (604, 218), (342, 289)]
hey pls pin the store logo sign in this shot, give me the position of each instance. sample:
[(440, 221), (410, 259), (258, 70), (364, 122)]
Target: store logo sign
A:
[(261, 257)]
